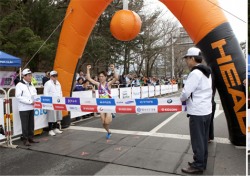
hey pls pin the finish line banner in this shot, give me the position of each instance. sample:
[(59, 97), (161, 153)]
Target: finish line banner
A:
[(145, 105)]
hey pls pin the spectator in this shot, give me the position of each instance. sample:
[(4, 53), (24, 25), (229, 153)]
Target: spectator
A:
[(17, 79), (53, 88), (46, 77), (81, 74), (79, 85), (25, 93)]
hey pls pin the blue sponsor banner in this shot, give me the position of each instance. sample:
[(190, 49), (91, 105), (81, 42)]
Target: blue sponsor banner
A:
[(72, 101), (105, 102), (45, 99), (146, 102)]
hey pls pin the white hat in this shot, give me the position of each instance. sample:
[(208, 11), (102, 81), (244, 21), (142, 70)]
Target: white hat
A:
[(193, 52), (26, 71), (53, 73)]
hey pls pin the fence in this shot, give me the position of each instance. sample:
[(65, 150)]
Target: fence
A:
[(12, 126)]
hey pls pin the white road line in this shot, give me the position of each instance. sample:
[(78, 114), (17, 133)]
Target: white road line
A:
[(142, 133), (217, 111), (154, 130)]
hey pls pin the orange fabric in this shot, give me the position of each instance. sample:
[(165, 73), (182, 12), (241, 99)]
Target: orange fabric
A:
[(81, 17), (198, 17)]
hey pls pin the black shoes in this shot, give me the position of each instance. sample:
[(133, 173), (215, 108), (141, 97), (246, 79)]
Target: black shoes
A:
[(192, 170)]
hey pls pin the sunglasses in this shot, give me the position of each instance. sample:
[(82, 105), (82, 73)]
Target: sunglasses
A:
[(54, 75)]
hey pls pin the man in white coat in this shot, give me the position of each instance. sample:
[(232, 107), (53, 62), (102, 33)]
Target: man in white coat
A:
[(197, 93), (25, 93), (53, 88)]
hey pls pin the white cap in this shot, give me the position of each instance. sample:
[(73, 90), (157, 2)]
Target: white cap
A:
[(26, 71), (53, 73), (193, 52)]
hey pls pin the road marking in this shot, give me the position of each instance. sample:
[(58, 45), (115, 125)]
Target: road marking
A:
[(154, 130), (217, 111), (141, 133)]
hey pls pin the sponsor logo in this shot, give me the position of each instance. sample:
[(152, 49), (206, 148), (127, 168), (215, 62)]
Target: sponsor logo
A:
[(72, 108), (146, 109), (58, 100), (37, 99), (38, 105), (87, 102), (169, 108), (125, 109), (151, 101), (119, 102), (61, 107), (105, 101), (100, 109), (138, 109), (46, 99), (129, 102), (169, 101), (47, 106), (38, 112), (73, 101), (89, 108)]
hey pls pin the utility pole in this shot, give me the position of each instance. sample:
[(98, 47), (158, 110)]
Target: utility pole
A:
[(172, 53)]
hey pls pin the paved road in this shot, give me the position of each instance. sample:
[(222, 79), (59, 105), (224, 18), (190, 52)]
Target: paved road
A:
[(141, 144)]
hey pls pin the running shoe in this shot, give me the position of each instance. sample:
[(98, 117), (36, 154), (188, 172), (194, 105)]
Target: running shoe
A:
[(108, 135)]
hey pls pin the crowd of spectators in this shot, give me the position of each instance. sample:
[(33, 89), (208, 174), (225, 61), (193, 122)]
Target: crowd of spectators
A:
[(127, 80)]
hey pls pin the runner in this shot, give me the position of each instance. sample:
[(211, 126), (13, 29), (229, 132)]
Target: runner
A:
[(104, 90)]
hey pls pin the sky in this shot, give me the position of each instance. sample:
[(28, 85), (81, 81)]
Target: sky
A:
[(236, 7)]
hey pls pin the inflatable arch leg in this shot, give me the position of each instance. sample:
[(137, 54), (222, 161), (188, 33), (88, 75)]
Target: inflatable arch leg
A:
[(207, 27)]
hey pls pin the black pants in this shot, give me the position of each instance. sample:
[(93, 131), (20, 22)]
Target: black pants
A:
[(199, 129), (211, 128), (52, 125), (27, 121)]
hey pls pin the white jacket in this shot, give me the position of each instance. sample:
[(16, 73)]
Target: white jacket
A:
[(51, 89), (25, 93), (197, 93)]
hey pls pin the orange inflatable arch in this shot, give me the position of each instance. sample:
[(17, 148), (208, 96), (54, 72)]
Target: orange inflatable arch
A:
[(206, 25)]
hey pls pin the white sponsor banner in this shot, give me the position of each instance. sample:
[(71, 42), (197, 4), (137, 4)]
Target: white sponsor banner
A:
[(175, 87), (38, 77), (40, 116), (85, 98), (163, 89), (144, 91), (151, 90), (7, 78), (146, 109), (2, 116), (157, 90), (169, 88), (125, 93), (115, 93), (136, 92)]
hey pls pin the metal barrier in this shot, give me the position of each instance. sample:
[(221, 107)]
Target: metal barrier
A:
[(8, 131)]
